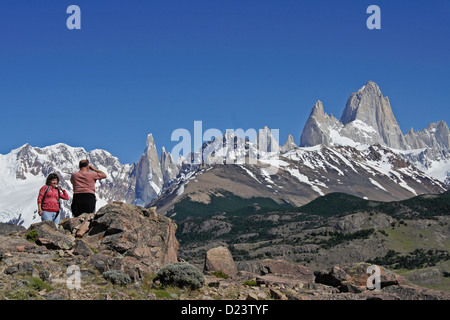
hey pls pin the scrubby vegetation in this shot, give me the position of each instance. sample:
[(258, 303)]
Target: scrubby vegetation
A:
[(181, 274), (227, 202), (417, 259), (220, 274)]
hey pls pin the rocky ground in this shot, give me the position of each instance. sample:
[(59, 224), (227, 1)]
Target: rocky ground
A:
[(118, 253)]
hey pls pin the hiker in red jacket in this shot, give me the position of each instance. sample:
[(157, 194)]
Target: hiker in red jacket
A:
[(48, 199)]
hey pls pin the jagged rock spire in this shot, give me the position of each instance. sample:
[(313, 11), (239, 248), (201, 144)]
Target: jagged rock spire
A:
[(168, 166), (289, 144), (316, 130), (149, 177), (369, 106)]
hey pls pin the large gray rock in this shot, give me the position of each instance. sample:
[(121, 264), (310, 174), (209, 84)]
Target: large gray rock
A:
[(141, 235), (49, 236), (220, 259)]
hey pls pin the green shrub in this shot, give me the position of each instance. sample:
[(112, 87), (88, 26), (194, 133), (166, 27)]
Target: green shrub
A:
[(161, 294), (251, 283), (32, 236), (40, 285), (117, 277), (220, 274), (181, 275)]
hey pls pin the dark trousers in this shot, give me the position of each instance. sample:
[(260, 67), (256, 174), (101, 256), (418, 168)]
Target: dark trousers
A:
[(83, 203)]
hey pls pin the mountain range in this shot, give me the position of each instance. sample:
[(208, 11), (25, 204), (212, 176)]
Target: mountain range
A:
[(364, 154)]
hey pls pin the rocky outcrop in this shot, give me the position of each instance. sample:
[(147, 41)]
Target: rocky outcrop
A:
[(121, 237), (29, 270), (47, 235), (279, 272), (135, 233)]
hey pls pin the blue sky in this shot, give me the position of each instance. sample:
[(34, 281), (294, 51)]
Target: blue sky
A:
[(140, 67)]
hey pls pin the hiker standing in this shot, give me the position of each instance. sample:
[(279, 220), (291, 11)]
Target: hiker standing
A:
[(48, 199), (83, 183)]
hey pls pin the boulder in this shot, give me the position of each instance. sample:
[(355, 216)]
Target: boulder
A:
[(49, 236), (124, 230), (220, 259), (78, 226), (277, 295), (81, 248)]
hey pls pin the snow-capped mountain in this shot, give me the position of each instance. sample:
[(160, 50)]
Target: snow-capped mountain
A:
[(368, 119), (302, 174), (364, 154), (23, 172)]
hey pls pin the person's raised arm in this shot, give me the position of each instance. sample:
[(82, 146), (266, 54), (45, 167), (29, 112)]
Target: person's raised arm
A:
[(102, 175)]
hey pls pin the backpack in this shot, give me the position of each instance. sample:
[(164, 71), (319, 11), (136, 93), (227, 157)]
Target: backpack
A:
[(59, 199)]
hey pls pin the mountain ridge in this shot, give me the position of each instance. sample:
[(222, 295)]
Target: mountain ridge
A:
[(335, 152)]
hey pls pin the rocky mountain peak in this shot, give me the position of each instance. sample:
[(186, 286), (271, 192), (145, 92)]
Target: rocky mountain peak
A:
[(266, 142), (442, 134), (369, 106), (367, 119), (150, 141), (317, 128), (149, 177), (168, 166), (289, 144), (318, 111), (435, 140)]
